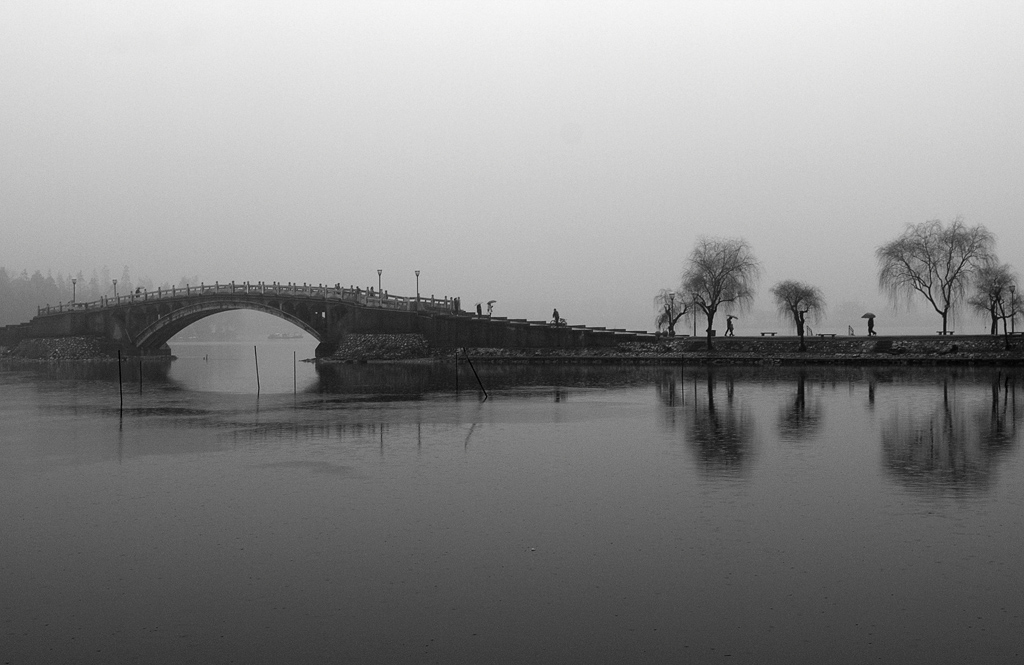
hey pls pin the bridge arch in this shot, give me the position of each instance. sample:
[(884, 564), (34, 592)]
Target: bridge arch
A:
[(170, 322)]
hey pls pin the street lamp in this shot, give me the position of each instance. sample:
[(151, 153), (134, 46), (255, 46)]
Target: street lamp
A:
[(74, 289), (417, 289), (379, 271), (115, 289)]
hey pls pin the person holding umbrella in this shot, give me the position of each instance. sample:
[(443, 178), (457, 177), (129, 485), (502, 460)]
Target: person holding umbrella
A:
[(729, 332), (871, 323)]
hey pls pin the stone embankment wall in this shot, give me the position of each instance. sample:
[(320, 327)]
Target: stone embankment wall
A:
[(845, 345), (62, 348), (783, 350), (358, 347)]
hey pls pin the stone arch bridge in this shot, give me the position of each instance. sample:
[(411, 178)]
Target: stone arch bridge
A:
[(143, 322)]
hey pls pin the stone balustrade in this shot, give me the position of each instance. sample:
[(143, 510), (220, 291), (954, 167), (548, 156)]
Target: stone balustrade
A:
[(350, 294)]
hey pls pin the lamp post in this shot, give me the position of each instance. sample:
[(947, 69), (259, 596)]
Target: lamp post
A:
[(379, 271), (417, 289), (74, 289), (115, 289)]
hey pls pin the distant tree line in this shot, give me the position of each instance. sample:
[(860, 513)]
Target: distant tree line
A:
[(947, 265), (21, 294)]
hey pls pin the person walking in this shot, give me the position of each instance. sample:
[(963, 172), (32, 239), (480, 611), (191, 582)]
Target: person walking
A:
[(555, 318), (729, 331)]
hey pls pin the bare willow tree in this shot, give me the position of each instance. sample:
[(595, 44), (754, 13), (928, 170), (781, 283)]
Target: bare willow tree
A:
[(671, 307), (720, 273), (936, 261), (995, 294), (800, 301)]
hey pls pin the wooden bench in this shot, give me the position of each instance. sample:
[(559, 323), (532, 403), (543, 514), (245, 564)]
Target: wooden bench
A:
[(826, 334), (763, 334), (948, 332)]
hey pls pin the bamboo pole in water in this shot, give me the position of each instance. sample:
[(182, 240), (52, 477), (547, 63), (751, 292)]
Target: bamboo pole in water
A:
[(120, 385), (257, 357), (470, 361), (295, 380)]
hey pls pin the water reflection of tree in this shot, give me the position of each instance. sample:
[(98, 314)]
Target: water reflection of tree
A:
[(718, 425), (999, 425), (801, 417), (153, 370), (670, 396), (668, 390), (958, 443)]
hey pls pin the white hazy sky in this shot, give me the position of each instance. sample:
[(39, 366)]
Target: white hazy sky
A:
[(555, 154)]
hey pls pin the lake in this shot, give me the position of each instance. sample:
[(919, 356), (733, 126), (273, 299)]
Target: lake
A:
[(592, 514)]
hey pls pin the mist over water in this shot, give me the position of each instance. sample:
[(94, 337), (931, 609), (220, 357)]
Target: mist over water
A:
[(578, 514)]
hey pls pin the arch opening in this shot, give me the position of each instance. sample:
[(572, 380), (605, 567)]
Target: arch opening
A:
[(243, 327), (243, 351), (224, 321)]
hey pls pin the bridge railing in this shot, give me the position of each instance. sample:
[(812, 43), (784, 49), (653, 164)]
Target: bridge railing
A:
[(357, 295)]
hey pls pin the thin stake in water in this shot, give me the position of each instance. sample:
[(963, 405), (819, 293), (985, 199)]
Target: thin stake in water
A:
[(465, 352), (257, 357), (120, 384)]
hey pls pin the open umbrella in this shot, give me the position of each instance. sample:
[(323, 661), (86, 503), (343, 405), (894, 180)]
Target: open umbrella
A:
[(867, 315), (491, 302)]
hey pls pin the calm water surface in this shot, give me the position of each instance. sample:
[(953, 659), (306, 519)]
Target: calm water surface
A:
[(581, 514)]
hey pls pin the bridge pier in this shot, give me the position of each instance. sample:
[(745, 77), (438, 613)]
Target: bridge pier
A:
[(326, 349)]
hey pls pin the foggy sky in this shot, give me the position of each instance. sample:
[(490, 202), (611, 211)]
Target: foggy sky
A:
[(543, 155)]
